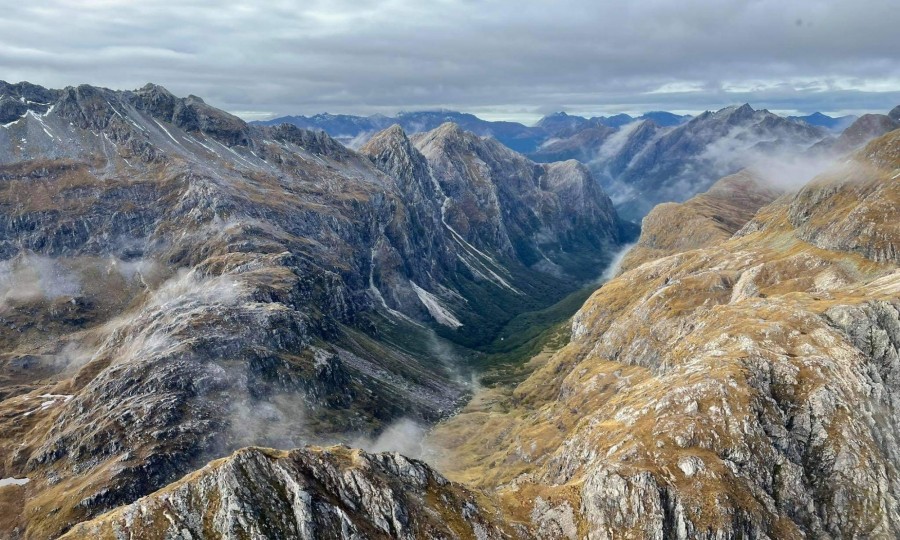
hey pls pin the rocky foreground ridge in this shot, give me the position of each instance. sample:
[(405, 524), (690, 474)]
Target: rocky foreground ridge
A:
[(305, 494)]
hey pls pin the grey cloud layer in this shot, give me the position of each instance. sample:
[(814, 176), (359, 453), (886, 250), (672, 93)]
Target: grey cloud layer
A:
[(501, 57)]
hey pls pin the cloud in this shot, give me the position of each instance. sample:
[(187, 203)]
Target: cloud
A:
[(615, 264), (404, 435), (616, 142), (366, 56), (785, 165), (28, 278)]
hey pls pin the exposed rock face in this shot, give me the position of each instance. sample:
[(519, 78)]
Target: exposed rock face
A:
[(582, 144), (186, 284), (640, 161), (18, 99), (484, 183), (743, 389), (306, 494), (689, 158), (357, 130)]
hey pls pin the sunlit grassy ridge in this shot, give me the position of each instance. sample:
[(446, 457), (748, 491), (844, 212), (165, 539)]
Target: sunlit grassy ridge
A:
[(681, 367)]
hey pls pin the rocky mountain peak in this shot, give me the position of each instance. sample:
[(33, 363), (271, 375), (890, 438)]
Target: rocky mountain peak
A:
[(732, 383), (448, 137), (316, 142), (737, 113), (311, 493), (819, 213), (895, 113), (87, 106), (157, 100), (450, 131), (192, 114), (553, 120), (864, 129), (393, 152), (17, 99), (227, 285), (392, 138), (163, 320), (153, 88)]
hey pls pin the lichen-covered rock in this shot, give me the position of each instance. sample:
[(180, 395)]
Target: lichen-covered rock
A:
[(311, 493)]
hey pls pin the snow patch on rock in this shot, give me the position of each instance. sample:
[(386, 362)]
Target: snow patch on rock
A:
[(13, 481)]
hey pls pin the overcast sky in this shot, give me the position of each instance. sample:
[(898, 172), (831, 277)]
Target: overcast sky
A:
[(511, 59)]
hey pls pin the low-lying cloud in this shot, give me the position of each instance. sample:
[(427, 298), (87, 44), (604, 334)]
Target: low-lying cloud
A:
[(28, 278), (785, 164), (405, 436)]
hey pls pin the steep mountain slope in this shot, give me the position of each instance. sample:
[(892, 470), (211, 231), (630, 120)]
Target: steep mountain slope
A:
[(608, 152), (579, 143), (665, 118), (687, 159), (177, 284), (744, 388), (559, 203), (640, 161), (561, 124), (18, 99), (643, 163), (355, 131)]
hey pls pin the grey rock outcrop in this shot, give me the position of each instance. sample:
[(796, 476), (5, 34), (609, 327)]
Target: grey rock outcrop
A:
[(308, 494)]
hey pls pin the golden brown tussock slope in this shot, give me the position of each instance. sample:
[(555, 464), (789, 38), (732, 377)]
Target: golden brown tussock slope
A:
[(703, 220), (748, 388)]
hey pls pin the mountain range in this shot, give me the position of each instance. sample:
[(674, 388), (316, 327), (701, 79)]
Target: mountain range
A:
[(353, 131), (215, 329), (737, 379), (833, 124), (643, 164), (640, 161)]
